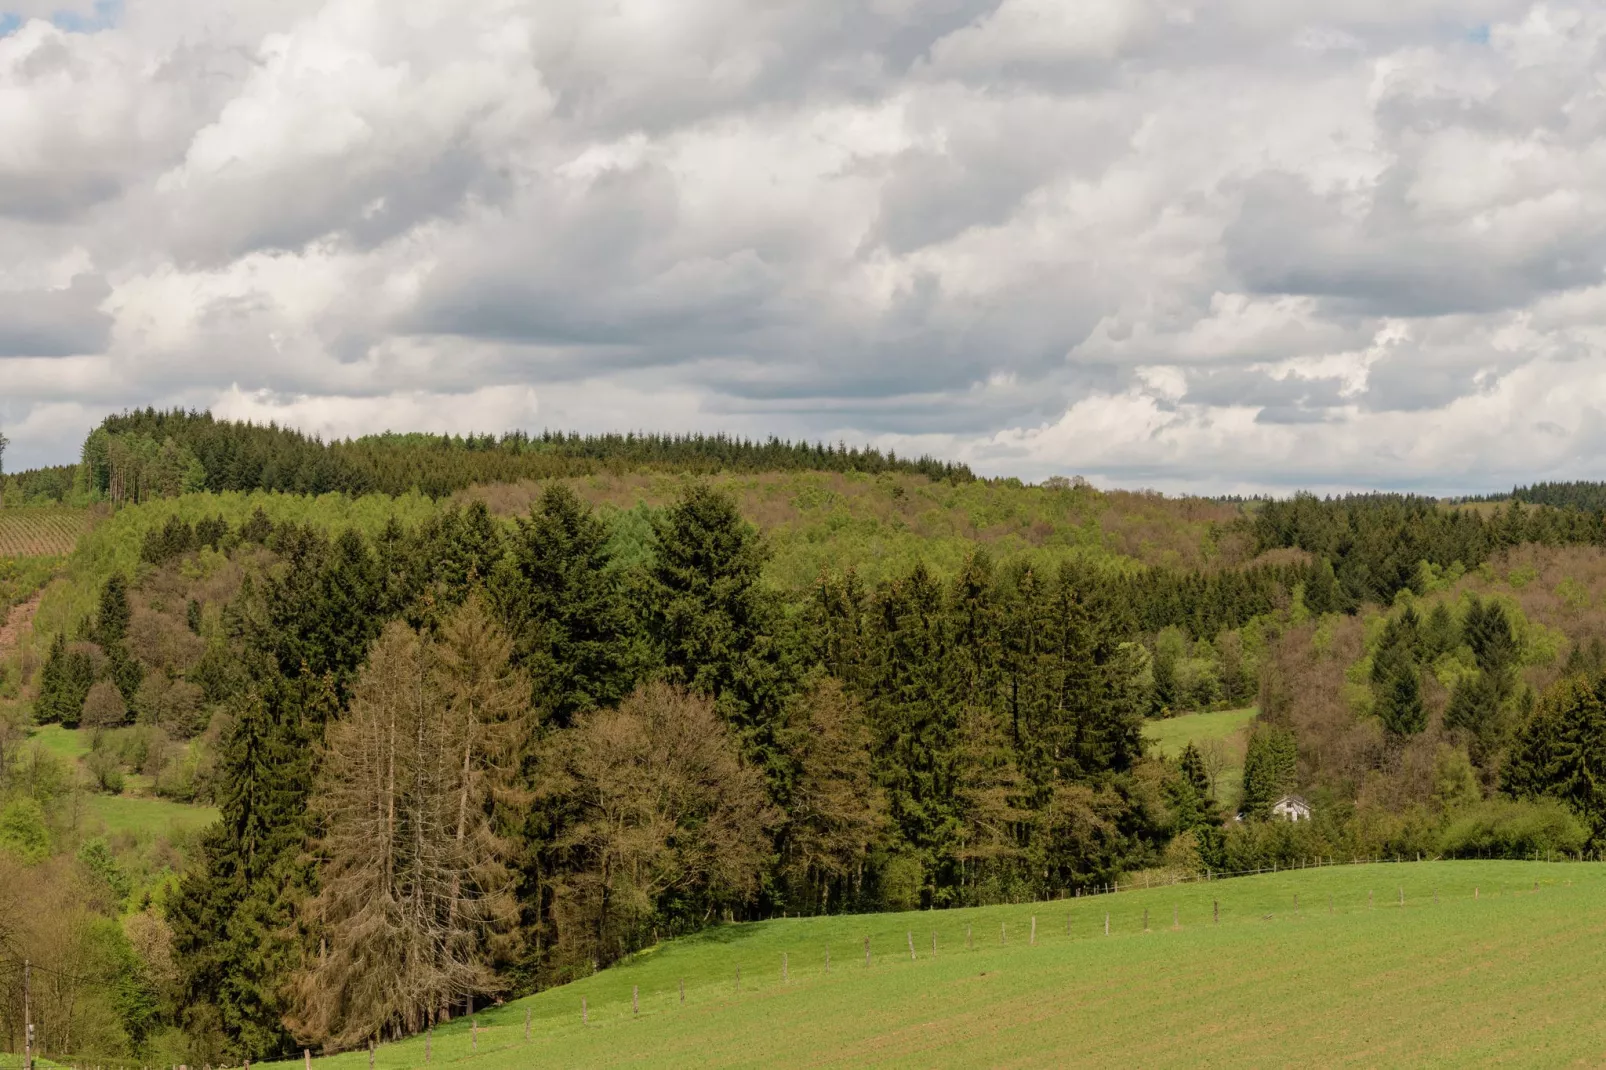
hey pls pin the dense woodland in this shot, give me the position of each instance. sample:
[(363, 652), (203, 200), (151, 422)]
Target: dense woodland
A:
[(147, 454), (463, 758)]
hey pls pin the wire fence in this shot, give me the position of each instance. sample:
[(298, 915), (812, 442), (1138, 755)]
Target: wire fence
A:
[(1141, 881)]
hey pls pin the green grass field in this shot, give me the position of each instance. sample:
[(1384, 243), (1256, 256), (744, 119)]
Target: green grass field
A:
[(145, 816), (1228, 728), (68, 744), (1309, 967), (151, 817)]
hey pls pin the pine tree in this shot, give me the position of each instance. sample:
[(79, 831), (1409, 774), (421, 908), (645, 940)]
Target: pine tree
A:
[(1560, 750), (1322, 593), (1188, 791), (1399, 703), (1270, 769), (233, 911), (563, 603), (1489, 633), (1475, 706), (712, 620), (1440, 634), (111, 632), (1192, 766)]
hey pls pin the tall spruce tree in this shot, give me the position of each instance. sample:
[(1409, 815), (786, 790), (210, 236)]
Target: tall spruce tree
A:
[(1560, 751), (1399, 701), (234, 910), (1271, 769), (1488, 632), (64, 683), (714, 623), (564, 605), (111, 632)]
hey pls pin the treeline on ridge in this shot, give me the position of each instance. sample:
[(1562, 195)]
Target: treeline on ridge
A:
[(148, 453)]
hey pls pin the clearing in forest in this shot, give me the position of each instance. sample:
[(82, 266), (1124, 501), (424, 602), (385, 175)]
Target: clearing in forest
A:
[(40, 531), (1403, 964), (1222, 738)]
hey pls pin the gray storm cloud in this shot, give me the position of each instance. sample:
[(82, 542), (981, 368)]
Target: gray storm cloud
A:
[(1219, 246)]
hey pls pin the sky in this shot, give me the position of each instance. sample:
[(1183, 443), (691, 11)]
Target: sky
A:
[(1217, 247)]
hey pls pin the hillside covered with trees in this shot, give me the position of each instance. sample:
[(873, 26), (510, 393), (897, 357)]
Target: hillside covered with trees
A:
[(492, 714)]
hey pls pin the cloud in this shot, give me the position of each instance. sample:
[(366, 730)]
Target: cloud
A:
[(1200, 246), (55, 323)]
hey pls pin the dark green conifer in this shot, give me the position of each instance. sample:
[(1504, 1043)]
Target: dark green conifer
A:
[(1399, 702), (563, 604), (1270, 769)]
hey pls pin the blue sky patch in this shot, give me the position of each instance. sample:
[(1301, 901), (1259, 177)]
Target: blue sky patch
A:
[(105, 16)]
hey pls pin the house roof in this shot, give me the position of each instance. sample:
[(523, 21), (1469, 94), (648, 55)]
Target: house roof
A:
[(1297, 801)]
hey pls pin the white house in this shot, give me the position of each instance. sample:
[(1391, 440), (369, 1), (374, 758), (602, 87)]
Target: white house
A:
[(1291, 808)]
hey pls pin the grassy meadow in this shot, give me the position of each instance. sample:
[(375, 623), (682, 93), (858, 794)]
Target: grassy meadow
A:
[(1484, 962), (1223, 731)]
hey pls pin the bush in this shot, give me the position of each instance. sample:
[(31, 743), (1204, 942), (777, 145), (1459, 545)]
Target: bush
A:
[(23, 832), (1508, 828), (104, 707), (105, 771), (901, 882)]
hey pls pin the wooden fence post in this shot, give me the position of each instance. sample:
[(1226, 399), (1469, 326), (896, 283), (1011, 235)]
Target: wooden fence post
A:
[(585, 1012), (306, 1057), (429, 1040), (635, 1001), (738, 978), (526, 1025), (867, 952), (934, 943), (1033, 939), (474, 1033), (683, 986), (1145, 919), (1176, 922), (910, 934), (785, 978), (827, 960), (370, 1053), (1003, 928), (1402, 895), (970, 945), (1215, 909), (1296, 904), (1474, 891), (1106, 923)]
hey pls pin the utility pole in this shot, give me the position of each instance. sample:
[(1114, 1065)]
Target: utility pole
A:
[(27, 1017)]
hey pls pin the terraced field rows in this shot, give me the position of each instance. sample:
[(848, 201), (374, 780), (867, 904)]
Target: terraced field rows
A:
[(41, 532)]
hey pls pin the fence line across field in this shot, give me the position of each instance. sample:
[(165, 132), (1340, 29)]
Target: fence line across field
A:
[(1146, 882)]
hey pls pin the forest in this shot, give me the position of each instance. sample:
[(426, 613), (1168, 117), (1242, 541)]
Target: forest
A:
[(459, 754)]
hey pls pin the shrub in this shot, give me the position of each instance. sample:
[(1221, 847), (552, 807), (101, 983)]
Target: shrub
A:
[(105, 771), (1508, 828), (23, 832)]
